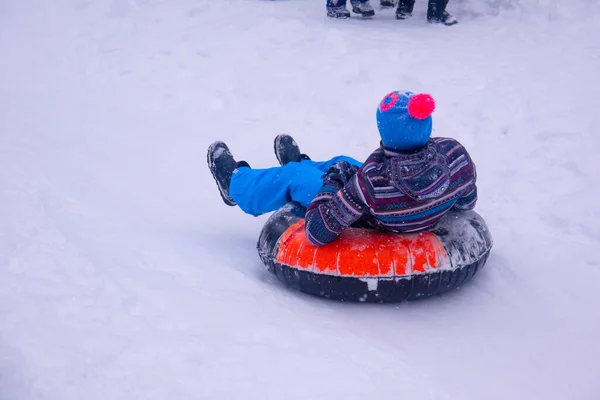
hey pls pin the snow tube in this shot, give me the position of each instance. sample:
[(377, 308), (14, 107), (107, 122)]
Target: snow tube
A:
[(371, 266)]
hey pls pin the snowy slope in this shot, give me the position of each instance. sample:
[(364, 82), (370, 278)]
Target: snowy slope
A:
[(123, 275)]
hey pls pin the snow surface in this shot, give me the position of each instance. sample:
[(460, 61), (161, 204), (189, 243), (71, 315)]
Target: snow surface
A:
[(124, 276)]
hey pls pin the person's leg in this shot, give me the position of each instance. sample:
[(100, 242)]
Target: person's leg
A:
[(323, 166), (336, 3), (435, 8), (362, 7), (337, 9), (405, 8), (436, 12), (259, 191)]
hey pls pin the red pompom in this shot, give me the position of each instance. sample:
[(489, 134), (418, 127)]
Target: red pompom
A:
[(420, 106)]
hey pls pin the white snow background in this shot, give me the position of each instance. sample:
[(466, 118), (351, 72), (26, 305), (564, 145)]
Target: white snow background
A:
[(124, 276)]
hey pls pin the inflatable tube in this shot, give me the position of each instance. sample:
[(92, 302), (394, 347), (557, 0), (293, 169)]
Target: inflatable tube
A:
[(372, 266)]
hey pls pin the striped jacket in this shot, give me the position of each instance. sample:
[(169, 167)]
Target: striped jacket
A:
[(397, 192)]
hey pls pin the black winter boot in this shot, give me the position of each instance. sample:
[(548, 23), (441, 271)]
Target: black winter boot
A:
[(287, 150), (338, 12), (222, 164), (363, 8), (387, 3), (446, 18), (436, 13), (405, 9)]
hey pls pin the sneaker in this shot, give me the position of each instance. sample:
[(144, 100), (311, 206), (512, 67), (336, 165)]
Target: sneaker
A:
[(445, 19), (387, 3), (363, 8), (222, 164), (287, 150), (338, 12)]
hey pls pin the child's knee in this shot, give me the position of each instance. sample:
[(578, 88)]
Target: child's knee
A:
[(343, 158)]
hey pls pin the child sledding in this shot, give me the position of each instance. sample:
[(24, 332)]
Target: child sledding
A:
[(407, 184)]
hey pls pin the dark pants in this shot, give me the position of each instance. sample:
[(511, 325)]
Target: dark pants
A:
[(435, 8)]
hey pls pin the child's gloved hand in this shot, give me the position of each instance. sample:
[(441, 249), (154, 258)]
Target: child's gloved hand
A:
[(339, 173)]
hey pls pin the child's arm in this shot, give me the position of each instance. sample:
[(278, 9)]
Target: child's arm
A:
[(469, 197), (467, 200), (335, 207), (469, 173)]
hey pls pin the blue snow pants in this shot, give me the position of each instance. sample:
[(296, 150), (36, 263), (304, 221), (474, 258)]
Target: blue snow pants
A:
[(259, 191)]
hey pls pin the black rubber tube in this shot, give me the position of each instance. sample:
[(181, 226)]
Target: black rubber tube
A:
[(464, 235)]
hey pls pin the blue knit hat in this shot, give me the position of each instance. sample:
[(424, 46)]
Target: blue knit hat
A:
[(404, 120)]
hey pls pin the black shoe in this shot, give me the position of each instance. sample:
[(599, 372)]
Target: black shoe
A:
[(338, 12), (387, 3), (287, 150), (445, 19), (363, 8), (400, 14), (222, 164), (404, 10)]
